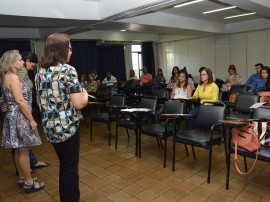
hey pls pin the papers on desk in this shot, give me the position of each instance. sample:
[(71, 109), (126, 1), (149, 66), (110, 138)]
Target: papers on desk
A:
[(136, 110), (175, 114), (256, 105), (91, 96)]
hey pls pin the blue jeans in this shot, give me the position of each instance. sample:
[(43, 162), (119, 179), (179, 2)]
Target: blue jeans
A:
[(191, 120), (68, 155)]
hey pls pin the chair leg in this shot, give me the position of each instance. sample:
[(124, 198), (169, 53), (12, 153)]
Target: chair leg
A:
[(109, 128), (116, 136), (91, 130), (136, 142), (173, 157), (158, 142), (245, 163), (186, 150), (193, 152), (161, 143), (140, 143), (128, 134), (165, 152), (209, 164)]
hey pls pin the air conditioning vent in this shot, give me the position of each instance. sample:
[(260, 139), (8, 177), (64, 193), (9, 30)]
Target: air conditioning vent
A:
[(112, 43)]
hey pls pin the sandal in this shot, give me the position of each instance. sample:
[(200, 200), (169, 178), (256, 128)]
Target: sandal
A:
[(21, 181), (30, 188), (41, 164)]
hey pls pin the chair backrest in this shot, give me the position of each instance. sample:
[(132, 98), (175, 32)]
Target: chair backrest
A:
[(244, 102), (119, 100), (171, 107), (261, 113), (209, 115), (160, 93), (147, 102), (237, 89)]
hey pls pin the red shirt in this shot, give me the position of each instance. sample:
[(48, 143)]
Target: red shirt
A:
[(146, 78)]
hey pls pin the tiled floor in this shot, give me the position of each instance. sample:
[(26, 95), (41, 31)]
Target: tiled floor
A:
[(107, 174)]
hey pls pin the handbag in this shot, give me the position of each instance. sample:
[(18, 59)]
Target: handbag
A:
[(233, 97), (246, 138), (262, 128)]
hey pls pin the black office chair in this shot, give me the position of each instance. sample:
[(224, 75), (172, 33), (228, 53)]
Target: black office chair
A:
[(207, 134), (242, 106), (133, 121), (109, 116), (224, 96), (163, 129)]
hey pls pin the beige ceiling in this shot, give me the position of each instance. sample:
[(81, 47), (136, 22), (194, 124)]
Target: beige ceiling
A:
[(143, 19)]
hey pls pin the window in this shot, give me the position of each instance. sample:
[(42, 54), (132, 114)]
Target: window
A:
[(137, 59)]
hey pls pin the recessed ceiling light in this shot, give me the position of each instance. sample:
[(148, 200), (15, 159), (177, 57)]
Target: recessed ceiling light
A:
[(123, 30), (221, 9), (236, 16), (188, 3)]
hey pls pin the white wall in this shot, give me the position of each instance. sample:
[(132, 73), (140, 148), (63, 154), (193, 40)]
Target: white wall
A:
[(243, 50)]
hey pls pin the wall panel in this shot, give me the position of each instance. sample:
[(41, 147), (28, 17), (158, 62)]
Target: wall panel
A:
[(239, 54), (223, 59)]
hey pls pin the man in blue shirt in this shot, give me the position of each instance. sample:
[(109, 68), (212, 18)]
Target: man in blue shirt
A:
[(254, 77)]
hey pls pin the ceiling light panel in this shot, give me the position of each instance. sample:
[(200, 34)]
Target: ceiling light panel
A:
[(188, 3), (220, 9), (242, 15)]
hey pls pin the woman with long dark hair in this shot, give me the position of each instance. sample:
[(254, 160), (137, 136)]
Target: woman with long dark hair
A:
[(174, 77), (182, 89)]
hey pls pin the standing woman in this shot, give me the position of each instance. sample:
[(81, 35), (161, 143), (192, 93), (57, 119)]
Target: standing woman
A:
[(60, 98), (19, 129), (207, 91), (182, 89)]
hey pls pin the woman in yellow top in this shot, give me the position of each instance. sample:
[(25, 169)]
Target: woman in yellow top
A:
[(207, 91)]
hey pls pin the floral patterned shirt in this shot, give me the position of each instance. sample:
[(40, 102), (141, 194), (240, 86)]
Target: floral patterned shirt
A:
[(60, 119)]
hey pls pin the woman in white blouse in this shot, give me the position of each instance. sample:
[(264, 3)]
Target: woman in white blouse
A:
[(182, 89)]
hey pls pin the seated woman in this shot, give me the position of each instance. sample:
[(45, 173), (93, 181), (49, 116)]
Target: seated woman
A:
[(174, 77), (159, 79), (130, 85), (92, 85), (233, 79), (83, 81), (262, 85), (132, 75), (182, 89), (207, 91)]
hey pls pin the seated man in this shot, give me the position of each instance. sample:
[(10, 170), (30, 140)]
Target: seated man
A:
[(255, 76), (111, 82)]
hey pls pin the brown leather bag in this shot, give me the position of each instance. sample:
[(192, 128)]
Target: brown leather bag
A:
[(233, 97), (246, 138)]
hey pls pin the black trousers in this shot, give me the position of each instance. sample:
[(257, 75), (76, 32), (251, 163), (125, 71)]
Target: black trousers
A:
[(68, 155)]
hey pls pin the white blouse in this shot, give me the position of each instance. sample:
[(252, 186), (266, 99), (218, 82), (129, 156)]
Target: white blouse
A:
[(180, 93)]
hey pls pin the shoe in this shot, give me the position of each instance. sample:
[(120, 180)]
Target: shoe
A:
[(40, 165), (30, 188), (21, 181), (32, 171)]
